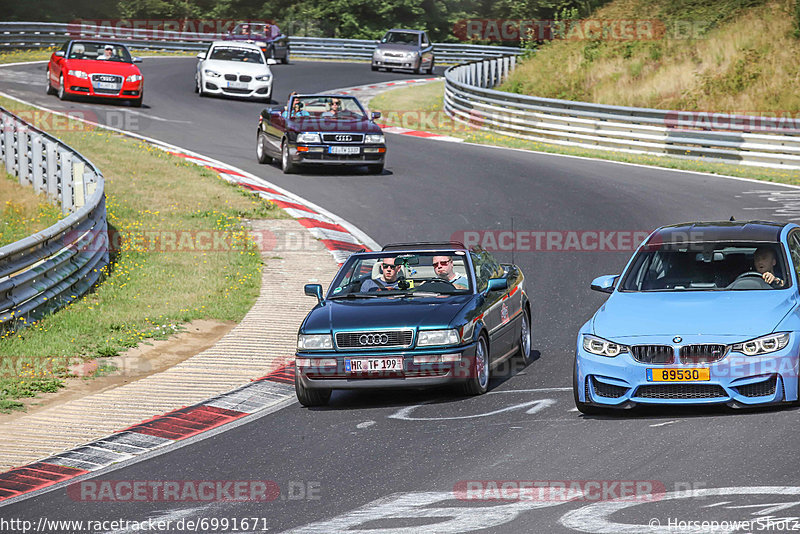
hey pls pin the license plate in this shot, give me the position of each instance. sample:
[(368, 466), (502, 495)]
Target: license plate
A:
[(106, 85), (344, 150), (678, 375), (373, 365), (237, 85)]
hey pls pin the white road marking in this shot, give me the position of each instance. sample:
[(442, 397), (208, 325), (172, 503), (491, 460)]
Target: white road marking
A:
[(596, 518), (533, 406), (379, 516), (365, 424), (766, 509), (663, 424)]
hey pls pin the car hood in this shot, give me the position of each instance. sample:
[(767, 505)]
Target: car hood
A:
[(738, 313), (393, 47), (331, 124), (235, 67), (91, 66), (367, 314)]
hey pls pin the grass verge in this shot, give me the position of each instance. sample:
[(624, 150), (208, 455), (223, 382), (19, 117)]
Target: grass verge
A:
[(420, 107), (22, 211), (182, 253)]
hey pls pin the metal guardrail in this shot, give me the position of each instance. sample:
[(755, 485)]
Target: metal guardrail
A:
[(747, 140), (30, 35), (51, 268)]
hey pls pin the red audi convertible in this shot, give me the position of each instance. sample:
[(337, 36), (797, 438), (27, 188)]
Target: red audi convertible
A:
[(95, 69)]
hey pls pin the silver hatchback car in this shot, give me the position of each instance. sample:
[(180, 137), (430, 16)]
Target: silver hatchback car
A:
[(404, 49)]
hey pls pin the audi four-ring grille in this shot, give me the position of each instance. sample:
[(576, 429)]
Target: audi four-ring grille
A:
[(656, 354), (107, 78), (374, 339), (342, 138), (705, 353)]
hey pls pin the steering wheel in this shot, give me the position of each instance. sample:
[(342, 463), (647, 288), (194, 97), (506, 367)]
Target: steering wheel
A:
[(437, 285), (749, 280)]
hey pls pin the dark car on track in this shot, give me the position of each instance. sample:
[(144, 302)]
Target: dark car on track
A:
[(96, 69), (321, 130), (451, 317), (404, 49), (266, 35)]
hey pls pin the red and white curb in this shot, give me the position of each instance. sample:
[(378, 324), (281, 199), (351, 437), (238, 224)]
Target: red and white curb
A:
[(149, 435)]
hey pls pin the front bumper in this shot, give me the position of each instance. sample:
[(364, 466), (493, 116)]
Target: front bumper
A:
[(321, 155), (252, 89), (412, 376), (735, 380), (84, 87)]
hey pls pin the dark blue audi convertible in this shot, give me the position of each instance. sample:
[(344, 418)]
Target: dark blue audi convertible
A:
[(409, 316)]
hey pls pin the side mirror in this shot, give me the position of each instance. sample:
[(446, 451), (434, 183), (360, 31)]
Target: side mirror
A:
[(314, 290), (201, 55), (375, 115), (496, 284), (271, 61), (137, 60), (605, 283), (59, 53)]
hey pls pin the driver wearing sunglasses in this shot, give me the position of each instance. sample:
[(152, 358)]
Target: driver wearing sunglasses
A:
[(388, 280), (443, 266)]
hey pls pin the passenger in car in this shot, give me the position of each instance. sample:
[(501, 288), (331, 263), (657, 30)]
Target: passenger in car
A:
[(388, 280)]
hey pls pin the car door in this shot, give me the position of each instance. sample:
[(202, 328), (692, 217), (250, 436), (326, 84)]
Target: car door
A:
[(496, 314), (275, 127), (57, 64), (426, 49)]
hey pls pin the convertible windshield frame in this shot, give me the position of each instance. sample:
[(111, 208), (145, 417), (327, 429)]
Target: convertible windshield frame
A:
[(698, 266), (354, 272)]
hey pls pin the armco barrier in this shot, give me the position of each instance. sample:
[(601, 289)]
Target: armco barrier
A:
[(43, 35), (746, 140), (53, 267)]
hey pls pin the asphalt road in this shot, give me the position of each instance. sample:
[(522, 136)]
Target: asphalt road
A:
[(391, 462)]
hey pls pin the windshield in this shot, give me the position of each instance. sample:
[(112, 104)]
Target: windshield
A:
[(225, 53), (341, 107), (707, 266), (430, 273), (407, 38), (254, 28), (100, 52)]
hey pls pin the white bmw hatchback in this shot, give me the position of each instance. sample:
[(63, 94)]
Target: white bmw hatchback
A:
[(234, 69)]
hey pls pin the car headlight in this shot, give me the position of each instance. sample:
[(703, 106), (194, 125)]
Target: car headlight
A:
[(314, 342), (134, 78), (602, 347), (264, 77), (763, 345), (373, 138), (430, 338), (411, 54), (79, 74), (212, 73), (308, 138)]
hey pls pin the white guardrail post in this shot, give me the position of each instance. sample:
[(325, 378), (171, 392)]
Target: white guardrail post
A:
[(757, 141), (42, 272)]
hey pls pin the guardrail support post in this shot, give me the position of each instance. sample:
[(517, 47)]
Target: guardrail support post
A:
[(66, 181), (78, 185), (36, 163), (22, 157), (8, 135), (51, 170)]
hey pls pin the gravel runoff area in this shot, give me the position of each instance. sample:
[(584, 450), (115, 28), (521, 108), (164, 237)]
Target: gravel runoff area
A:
[(261, 343)]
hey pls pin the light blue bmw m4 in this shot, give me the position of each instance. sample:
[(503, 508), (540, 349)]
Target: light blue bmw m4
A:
[(703, 313)]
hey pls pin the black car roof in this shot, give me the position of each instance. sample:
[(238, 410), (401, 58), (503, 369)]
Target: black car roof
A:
[(757, 231), (97, 41), (404, 30), (427, 245)]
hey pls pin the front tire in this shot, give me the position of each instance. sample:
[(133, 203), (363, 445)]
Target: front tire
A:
[(478, 381), (286, 164), (418, 69), (430, 69), (261, 148), (50, 90), (285, 59), (525, 338), (62, 91), (310, 397), (583, 407)]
